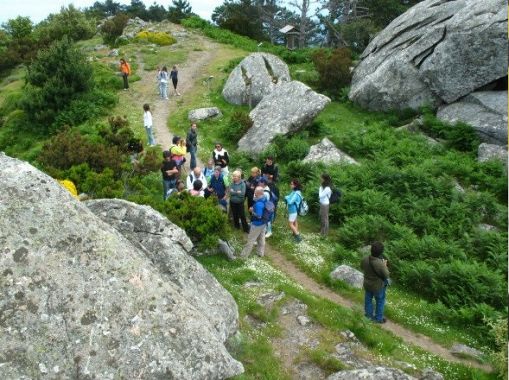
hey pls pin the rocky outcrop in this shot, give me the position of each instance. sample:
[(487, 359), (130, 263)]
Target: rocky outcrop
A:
[(254, 77), (289, 108), (327, 153), (204, 113), (487, 152), (486, 111), (349, 275), (436, 52), (78, 299), (167, 245), (464, 351), (371, 373)]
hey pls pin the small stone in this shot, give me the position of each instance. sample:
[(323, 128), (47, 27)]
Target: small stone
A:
[(429, 374), (173, 331), (463, 351), (56, 369), (43, 368), (303, 320)]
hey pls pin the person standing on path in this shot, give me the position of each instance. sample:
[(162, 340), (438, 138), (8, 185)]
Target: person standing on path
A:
[(257, 230), (293, 201), (376, 279), (324, 194), (147, 123), (192, 144), (164, 78), (237, 195), (174, 78), (125, 69)]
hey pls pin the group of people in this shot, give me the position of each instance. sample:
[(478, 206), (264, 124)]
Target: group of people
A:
[(163, 78)]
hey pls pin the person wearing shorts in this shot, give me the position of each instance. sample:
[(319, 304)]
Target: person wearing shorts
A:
[(293, 201)]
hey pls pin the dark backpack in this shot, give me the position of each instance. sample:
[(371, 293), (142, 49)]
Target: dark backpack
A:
[(268, 211), (272, 196), (335, 196)]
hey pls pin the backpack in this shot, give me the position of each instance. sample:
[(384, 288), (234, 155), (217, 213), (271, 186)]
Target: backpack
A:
[(272, 196), (268, 211), (335, 196), (303, 208)]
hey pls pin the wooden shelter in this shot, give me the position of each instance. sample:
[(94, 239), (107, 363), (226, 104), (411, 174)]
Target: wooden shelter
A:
[(292, 36)]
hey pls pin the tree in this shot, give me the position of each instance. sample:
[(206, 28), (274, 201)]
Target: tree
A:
[(241, 17), (306, 26), (157, 12), (114, 27), (19, 27), (69, 22), (55, 78), (179, 11), (106, 9), (333, 69), (137, 9)]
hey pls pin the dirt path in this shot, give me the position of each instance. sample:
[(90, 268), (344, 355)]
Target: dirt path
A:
[(189, 72), (409, 337)]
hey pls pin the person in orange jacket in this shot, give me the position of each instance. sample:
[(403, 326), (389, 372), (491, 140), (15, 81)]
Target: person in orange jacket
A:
[(125, 69)]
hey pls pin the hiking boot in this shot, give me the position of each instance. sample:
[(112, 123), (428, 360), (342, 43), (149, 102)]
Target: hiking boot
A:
[(268, 234), (297, 238), (381, 321)]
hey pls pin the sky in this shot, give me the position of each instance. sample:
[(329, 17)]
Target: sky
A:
[(38, 10)]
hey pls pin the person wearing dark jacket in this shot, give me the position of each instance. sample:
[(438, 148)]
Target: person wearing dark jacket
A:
[(192, 144), (376, 278), (270, 170)]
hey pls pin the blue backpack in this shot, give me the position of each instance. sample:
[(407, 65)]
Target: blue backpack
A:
[(268, 211)]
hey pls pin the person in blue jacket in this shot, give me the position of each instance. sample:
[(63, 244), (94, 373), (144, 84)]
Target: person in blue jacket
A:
[(257, 230), (293, 201)]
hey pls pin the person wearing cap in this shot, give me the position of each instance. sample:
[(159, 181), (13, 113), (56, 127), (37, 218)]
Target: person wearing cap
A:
[(170, 171), (218, 187), (257, 230), (376, 279), (263, 182), (221, 158)]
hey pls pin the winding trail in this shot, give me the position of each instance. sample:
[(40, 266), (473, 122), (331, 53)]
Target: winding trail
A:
[(409, 337)]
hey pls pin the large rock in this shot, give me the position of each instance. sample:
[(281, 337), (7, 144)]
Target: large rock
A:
[(486, 111), (371, 373), (487, 152), (254, 77), (327, 153), (156, 236), (290, 107), (79, 300), (436, 52), (349, 275), (204, 113)]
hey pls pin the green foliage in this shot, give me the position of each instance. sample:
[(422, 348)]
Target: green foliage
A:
[(70, 22), (300, 170), (19, 27), (238, 125), (358, 33), (242, 17), (228, 37), (59, 75), (179, 10), (459, 136), (158, 38), (69, 148), (284, 149), (113, 28), (201, 218), (333, 69), (499, 358)]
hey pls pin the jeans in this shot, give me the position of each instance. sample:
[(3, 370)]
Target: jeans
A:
[(167, 185), (192, 151), (380, 303), (150, 136), (163, 90)]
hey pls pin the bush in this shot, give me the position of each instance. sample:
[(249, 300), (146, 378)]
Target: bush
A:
[(284, 149), (239, 124), (499, 358), (70, 22), (69, 148), (333, 69), (59, 75), (201, 218), (159, 38), (113, 28)]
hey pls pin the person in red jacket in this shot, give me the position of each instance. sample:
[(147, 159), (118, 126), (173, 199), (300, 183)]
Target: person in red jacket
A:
[(125, 69)]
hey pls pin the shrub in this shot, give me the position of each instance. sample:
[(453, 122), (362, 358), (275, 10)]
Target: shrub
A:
[(333, 69), (159, 38), (295, 148), (69, 148), (239, 124), (113, 28), (499, 358), (202, 220), (297, 169), (58, 76)]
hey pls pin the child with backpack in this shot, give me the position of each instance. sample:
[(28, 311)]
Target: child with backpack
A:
[(293, 202)]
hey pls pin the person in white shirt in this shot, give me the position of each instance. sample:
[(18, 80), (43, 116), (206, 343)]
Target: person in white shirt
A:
[(147, 122), (324, 194), (195, 175)]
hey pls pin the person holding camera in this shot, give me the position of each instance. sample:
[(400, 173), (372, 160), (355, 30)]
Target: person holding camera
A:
[(376, 280)]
